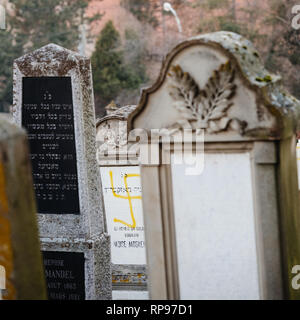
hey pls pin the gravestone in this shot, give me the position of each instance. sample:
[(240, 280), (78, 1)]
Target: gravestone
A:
[(298, 162), (21, 269), (53, 101), (120, 176), (230, 229), (2, 280)]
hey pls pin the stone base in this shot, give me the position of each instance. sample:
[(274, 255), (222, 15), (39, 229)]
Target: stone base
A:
[(97, 267)]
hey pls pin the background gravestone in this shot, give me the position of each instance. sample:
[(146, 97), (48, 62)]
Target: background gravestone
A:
[(231, 231), (20, 256), (124, 213), (53, 101)]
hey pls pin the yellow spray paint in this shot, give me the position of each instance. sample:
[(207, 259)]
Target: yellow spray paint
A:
[(129, 198)]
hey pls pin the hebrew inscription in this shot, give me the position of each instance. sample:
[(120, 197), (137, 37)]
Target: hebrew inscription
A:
[(47, 115)]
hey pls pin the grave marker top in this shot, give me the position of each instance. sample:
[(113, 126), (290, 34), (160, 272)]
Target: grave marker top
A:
[(216, 82), (68, 76), (111, 138), (257, 106)]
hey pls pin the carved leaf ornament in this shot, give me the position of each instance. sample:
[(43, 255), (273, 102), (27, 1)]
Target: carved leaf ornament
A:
[(207, 107)]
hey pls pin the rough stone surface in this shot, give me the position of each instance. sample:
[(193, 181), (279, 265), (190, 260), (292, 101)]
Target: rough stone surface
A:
[(19, 243), (56, 61), (120, 114), (112, 136), (275, 113), (53, 60)]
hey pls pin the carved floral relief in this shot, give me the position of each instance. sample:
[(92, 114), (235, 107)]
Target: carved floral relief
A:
[(205, 108)]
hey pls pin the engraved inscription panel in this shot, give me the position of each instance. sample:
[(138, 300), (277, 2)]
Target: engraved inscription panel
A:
[(122, 194), (47, 115), (64, 275)]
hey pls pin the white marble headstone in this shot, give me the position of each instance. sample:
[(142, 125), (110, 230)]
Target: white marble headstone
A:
[(215, 229)]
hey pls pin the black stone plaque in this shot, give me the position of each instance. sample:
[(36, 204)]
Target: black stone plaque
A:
[(64, 275), (47, 115)]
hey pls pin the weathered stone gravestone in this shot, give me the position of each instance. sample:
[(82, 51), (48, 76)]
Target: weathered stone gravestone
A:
[(53, 101), (21, 269), (232, 231), (298, 162), (120, 176), (2, 280)]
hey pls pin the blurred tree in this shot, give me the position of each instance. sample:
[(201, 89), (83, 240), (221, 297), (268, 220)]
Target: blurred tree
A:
[(222, 15), (144, 10), (267, 24), (283, 53), (8, 52), (227, 16), (135, 53), (111, 72), (32, 24), (149, 11)]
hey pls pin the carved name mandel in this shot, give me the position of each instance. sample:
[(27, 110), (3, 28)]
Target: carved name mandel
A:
[(205, 108)]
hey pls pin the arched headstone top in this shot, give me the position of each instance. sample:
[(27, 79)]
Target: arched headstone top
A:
[(121, 114), (244, 52), (112, 131), (218, 83)]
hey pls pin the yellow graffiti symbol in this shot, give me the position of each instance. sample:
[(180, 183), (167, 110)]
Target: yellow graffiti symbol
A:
[(129, 198)]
